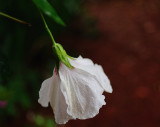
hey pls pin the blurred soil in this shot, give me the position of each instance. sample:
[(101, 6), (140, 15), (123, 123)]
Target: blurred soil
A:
[(128, 48)]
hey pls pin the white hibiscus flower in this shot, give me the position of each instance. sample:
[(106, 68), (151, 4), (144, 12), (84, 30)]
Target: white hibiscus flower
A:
[(75, 92), (76, 87)]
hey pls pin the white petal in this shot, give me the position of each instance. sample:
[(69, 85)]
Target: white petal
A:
[(82, 92), (84, 61), (51, 92), (94, 69), (58, 102), (44, 93), (103, 78)]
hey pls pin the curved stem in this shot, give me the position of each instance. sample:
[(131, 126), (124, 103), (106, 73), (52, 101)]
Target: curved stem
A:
[(48, 30)]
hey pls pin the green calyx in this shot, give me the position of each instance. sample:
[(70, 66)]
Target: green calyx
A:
[(62, 55), (59, 52)]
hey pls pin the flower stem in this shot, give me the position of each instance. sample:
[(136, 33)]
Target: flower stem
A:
[(15, 19), (48, 30)]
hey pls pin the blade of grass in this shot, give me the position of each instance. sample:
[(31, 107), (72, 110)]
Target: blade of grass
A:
[(15, 19)]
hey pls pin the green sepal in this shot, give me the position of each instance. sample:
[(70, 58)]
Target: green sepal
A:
[(56, 58), (62, 55), (71, 57)]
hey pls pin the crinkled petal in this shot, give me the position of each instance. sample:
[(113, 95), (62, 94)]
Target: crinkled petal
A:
[(51, 92), (44, 93), (58, 102), (94, 69), (82, 92)]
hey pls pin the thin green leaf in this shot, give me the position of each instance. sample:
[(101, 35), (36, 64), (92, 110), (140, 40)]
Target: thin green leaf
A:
[(47, 9)]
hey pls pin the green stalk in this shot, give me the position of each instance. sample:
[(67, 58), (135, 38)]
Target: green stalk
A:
[(15, 19), (48, 30)]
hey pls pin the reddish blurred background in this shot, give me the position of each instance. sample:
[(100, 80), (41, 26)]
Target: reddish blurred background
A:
[(128, 47)]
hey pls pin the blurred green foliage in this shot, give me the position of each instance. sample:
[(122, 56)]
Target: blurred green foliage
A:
[(26, 55), (5, 94), (41, 121)]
